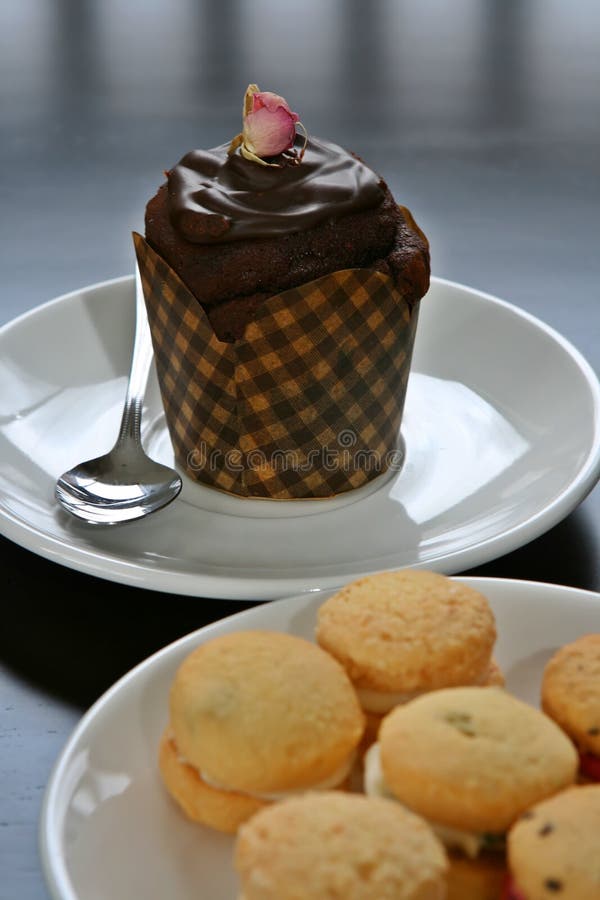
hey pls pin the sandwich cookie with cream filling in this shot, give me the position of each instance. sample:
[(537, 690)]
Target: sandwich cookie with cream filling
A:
[(336, 845), (402, 634), (470, 761), (571, 696), (554, 848), (256, 716)]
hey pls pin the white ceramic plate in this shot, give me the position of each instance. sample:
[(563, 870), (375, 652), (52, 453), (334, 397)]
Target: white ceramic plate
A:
[(108, 828), (502, 433)]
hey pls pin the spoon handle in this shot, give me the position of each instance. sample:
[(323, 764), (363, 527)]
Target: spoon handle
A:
[(140, 367)]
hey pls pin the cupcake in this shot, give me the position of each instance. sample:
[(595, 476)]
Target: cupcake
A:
[(339, 845), (256, 716), (571, 696), (402, 634), (470, 761), (282, 283)]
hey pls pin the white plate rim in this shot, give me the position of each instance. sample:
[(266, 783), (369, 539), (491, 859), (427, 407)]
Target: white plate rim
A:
[(53, 862), (104, 565)]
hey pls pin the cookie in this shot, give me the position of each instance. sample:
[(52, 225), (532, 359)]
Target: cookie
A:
[(470, 760), (494, 675), (338, 845), (554, 849), (222, 810), (399, 634), (261, 714), (571, 691)]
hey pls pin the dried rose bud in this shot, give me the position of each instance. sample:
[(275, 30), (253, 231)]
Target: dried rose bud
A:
[(269, 126)]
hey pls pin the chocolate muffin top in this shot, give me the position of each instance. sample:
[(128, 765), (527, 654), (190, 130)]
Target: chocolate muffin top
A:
[(215, 196), (238, 229)]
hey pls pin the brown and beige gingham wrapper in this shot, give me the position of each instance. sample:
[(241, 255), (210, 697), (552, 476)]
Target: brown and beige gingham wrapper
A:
[(306, 405)]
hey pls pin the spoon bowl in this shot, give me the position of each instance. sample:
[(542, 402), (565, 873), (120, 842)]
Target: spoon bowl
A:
[(124, 484), (118, 487)]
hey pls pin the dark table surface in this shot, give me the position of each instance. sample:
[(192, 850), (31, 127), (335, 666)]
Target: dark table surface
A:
[(483, 116)]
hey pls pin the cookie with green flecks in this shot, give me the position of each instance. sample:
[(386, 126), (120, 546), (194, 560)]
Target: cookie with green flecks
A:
[(470, 761)]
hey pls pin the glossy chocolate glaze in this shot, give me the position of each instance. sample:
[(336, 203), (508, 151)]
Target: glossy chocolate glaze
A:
[(213, 197)]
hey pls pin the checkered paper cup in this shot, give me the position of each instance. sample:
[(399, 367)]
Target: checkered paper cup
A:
[(307, 404)]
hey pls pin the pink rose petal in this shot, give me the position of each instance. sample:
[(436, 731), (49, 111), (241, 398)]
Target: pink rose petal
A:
[(272, 102), (270, 129)]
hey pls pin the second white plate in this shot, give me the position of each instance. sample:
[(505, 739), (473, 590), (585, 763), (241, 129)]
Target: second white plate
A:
[(502, 433), (108, 827)]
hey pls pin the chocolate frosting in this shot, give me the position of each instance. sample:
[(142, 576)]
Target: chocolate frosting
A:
[(214, 197)]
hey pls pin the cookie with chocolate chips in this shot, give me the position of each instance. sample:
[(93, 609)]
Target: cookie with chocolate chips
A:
[(571, 696), (554, 850)]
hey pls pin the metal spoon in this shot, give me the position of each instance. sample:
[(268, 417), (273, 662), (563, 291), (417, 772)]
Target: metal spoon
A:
[(124, 484)]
